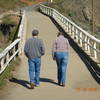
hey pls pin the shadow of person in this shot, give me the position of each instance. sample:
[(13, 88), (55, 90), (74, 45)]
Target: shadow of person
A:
[(48, 80), (26, 83), (21, 82)]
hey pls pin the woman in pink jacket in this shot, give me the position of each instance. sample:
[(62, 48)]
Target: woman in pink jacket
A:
[(60, 52)]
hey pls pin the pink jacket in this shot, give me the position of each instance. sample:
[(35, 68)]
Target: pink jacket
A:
[(61, 44)]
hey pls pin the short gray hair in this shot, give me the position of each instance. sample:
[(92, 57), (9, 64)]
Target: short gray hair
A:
[(35, 32)]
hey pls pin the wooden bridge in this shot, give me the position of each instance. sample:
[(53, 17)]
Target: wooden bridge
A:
[(83, 77)]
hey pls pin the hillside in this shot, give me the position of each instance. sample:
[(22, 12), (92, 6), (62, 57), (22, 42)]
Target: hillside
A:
[(8, 29), (10, 4), (6, 5), (80, 11)]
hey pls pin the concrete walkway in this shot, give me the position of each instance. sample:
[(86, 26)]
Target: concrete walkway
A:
[(79, 79)]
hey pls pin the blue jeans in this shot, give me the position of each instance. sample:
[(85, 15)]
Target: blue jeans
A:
[(34, 70), (61, 60)]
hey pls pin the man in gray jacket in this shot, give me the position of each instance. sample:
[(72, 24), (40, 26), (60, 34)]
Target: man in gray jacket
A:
[(34, 49)]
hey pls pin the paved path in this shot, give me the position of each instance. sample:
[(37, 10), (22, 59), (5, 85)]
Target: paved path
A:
[(77, 75)]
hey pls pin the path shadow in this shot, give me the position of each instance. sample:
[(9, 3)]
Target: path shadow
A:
[(26, 83), (48, 80), (91, 65), (20, 82)]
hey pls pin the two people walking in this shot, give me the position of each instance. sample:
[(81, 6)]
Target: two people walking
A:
[(34, 49)]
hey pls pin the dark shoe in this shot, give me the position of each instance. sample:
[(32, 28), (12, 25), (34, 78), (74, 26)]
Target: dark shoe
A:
[(31, 85), (59, 83), (37, 85), (63, 85)]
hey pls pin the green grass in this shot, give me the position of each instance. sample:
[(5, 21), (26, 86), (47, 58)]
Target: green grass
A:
[(7, 74)]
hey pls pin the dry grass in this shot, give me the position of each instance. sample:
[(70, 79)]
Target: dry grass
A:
[(31, 2), (11, 4), (73, 9)]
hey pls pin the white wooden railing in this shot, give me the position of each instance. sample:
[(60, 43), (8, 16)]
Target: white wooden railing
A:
[(14, 49), (87, 42)]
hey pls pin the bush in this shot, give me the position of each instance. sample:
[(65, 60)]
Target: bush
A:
[(9, 27)]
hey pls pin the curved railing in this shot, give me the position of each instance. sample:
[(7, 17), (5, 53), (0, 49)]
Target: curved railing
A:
[(15, 48), (87, 42)]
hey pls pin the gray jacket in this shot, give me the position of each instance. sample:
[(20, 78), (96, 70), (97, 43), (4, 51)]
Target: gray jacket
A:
[(34, 48)]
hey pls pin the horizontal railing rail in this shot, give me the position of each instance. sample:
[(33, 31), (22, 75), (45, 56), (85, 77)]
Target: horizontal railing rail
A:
[(89, 43), (15, 48)]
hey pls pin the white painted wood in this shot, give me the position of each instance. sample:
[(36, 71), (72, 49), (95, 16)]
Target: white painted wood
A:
[(5, 56), (51, 1), (88, 41), (86, 45), (70, 28), (81, 43), (73, 35), (78, 34), (95, 52)]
